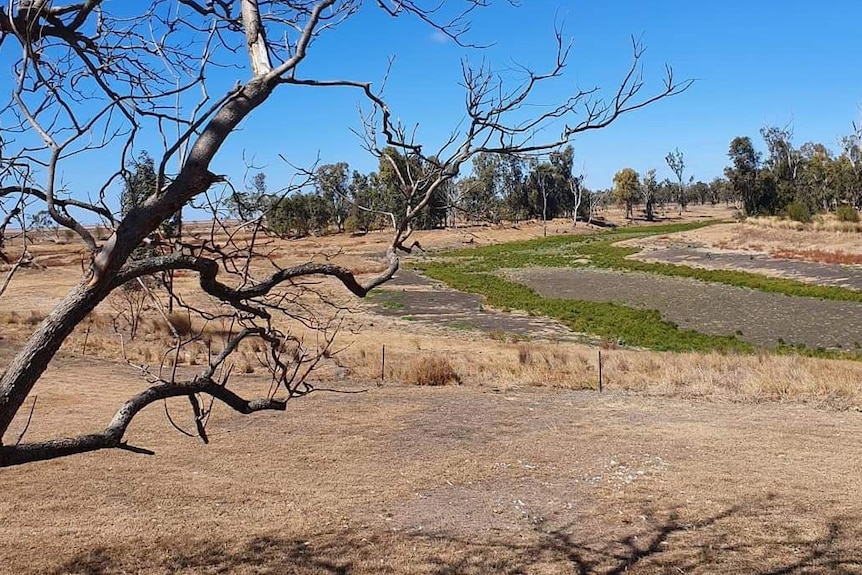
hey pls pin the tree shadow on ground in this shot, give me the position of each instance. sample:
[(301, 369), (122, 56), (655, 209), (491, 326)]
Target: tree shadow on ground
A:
[(726, 542)]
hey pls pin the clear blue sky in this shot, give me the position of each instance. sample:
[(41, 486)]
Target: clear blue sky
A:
[(755, 62)]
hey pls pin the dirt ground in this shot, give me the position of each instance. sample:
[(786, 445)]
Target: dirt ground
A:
[(414, 298), (824, 252), (446, 480), (503, 474), (841, 275), (759, 317)]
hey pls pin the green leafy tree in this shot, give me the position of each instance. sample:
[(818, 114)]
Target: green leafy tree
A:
[(332, 183), (676, 161), (298, 215), (140, 183), (515, 200), (649, 189), (627, 187), (702, 192), (480, 195), (818, 184), (249, 204), (363, 190), (757, 192), (784, 162)]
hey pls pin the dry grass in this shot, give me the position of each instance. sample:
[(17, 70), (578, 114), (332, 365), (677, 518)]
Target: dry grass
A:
[(487, 362), (432, 370), (830, 241), (446, 480), (821, 223), (181, 322), (423, 355)]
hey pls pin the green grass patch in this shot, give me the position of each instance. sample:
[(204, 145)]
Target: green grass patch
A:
[(460, 325)]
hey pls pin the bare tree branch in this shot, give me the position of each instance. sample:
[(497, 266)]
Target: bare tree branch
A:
[(89, 81)]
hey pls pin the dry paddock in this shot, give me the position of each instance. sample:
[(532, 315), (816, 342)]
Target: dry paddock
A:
[(455, 479)]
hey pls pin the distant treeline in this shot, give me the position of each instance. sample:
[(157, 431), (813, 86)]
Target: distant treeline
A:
[(788, 181)]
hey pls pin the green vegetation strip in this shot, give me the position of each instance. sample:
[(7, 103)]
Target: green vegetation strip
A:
[(641, 328), (473, 270)]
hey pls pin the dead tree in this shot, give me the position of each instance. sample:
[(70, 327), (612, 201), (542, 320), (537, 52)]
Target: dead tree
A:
[(576, 187), (94, 79)]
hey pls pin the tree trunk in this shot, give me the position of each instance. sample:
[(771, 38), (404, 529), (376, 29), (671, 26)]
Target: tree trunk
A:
[(32, 360)]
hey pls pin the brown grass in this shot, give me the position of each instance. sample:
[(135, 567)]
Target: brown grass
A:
[(826, 240), (487, 362), (432, 370), (818, 255), (181, 322)]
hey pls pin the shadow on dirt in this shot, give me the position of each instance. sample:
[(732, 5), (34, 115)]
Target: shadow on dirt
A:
[(732, 541)]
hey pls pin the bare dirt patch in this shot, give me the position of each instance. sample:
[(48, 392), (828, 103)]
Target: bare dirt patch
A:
[(768, 246), (758, 317), (416, 298)]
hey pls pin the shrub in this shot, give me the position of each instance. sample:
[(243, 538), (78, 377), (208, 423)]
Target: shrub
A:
[(799, 212), (847, 214), (433, 370)]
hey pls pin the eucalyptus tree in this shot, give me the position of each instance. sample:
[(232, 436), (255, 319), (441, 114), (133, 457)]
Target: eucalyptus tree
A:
[(627, 189), (332, 183), (745, 178), (648, 190), (676, 162), (97, 81)]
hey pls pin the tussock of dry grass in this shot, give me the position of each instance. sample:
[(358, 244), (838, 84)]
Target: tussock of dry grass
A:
[(181, 322), (29, 319), (432, 370)]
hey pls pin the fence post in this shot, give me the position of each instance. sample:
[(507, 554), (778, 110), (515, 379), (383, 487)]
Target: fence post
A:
[(601, 383)]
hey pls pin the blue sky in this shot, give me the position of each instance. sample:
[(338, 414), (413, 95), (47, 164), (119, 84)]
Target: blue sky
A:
[(755, 63)]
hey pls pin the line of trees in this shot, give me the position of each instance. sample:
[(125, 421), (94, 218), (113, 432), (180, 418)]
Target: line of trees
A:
[(631, 189), (786, 180), (498, 187), (796, 182)]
